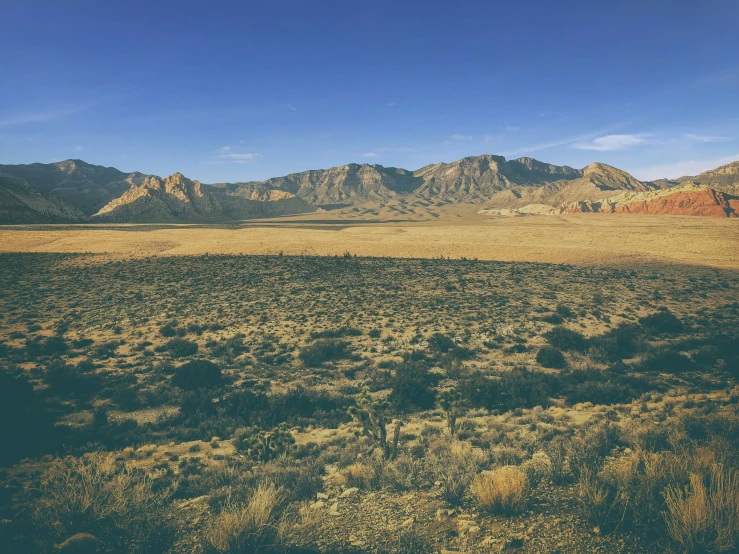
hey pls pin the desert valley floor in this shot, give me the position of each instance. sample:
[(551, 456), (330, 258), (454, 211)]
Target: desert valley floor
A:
[(575, 238), (554, 384)]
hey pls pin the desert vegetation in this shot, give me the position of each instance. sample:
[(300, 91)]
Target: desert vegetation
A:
[(224, 404)]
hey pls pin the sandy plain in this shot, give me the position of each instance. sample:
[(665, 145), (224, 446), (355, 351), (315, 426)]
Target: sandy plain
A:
[(571, 239)]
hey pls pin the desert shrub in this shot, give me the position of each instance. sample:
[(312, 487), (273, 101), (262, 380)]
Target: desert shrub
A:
[(70, 380), (94, 495), (556, 450), (180, 348), (454, 465), (411, 386), (598, 495), (538, 468), (245, 526), (550, 357), (169, 329), (566, 339), (26, 424), (262, 446), (365, 475), (517, 388), (322, 351), (704, 516), (197, 374), (662, 322), (604, 392), (49, 346), (504, 490), (297, 479), (522, 388), (623, 341), (403, 474), (439, 342), (667, 361), (590, 446), (230, 348), (507, 455), (480, 391), (336, 333), (374, 333)]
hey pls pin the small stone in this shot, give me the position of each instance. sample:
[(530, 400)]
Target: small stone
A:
[(317, 505), (474, 530), (409, 522), (348, 492), (334, 510), (322, 496)]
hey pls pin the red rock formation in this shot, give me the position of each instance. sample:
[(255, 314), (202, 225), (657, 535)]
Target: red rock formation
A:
[(706, 202), (684, 200)]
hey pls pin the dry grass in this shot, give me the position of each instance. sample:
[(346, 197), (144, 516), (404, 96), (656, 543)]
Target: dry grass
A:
[(94, 494), (504, 490), (561, 239), (245, 527), (704, 516)]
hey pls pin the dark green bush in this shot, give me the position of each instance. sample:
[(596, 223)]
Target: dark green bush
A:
[(667, 361), (551, 357), (197, 374), (566, 339), (662, 322), (181, 348), (411, 386)]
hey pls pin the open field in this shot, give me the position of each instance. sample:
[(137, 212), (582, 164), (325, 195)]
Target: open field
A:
[(227, 403), (573, 239)]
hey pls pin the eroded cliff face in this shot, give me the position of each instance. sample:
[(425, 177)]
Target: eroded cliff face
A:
[(694, 200)]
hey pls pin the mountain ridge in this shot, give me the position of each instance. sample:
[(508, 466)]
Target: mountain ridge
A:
[(488, 181)]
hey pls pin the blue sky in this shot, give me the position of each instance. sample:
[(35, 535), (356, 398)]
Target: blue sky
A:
[(235, 91)]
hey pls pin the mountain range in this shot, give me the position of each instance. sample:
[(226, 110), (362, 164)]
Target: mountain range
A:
[(74, 191)]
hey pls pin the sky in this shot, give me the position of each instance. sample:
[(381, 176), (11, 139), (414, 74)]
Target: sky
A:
[(238, 91)]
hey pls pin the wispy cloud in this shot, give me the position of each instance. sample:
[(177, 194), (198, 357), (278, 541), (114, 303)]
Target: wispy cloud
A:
[(78, 148), (460, 137), (370, 155), (229, 154), (512, 128), (611, 143), (703, 138), (680, 169), (291, 107), (40, 116)]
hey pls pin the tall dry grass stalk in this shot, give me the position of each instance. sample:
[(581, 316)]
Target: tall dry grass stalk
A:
[(704, 516)]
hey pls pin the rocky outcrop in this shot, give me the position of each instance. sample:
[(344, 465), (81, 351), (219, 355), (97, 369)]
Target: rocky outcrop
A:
[(179, 199), (20, 204), (694, 200), (722, 179), (175, 198), (85, 186)]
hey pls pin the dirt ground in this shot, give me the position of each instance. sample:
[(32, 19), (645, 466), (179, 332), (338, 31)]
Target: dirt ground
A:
[(571, 239)]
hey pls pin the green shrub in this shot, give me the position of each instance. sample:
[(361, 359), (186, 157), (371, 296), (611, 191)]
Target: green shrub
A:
[(181, 348), (566, 339), (411, 386), (662, 322), (322, 351), (550, 357), (197, 374)]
